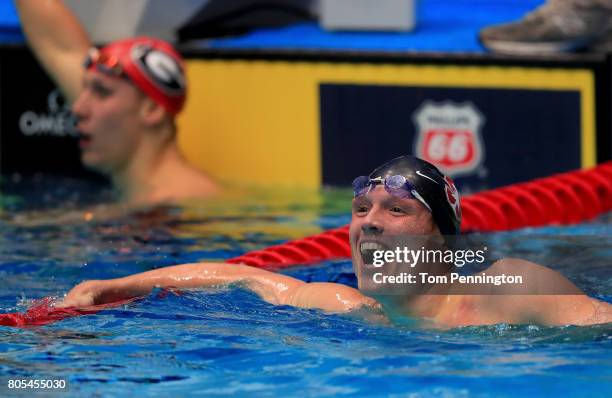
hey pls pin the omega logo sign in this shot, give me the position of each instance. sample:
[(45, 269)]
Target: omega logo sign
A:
[(57, 122)]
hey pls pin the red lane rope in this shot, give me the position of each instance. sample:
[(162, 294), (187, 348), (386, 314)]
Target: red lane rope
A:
[(564, 198), (42, 312)]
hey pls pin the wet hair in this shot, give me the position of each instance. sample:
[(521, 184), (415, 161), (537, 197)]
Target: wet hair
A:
[(435, 188)]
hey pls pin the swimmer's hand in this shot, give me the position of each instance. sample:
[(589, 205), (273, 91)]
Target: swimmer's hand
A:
[(98, 292), (94, 292), (84, 294)]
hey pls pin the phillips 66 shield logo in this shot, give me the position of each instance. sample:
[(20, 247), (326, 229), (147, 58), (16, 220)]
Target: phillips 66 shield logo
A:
[(448, 135)]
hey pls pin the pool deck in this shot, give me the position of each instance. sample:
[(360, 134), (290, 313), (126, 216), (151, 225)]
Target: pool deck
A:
[(442, 26)]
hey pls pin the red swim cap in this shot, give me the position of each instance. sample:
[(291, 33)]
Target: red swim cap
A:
[(153, 65)]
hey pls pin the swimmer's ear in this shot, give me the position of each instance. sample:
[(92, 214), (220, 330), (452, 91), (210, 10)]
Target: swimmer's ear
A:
[(434, 229), (151, 112)]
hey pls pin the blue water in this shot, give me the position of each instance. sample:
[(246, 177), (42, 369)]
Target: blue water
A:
[(230, 342)]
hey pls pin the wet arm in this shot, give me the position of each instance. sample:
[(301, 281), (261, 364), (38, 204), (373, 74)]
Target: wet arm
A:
[(272, 287), (58, 40)]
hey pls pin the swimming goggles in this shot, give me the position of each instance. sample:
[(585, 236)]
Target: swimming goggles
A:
[(106, 63), (396, 185)]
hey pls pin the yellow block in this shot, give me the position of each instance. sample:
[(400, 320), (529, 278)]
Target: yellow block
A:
[(257, 122)]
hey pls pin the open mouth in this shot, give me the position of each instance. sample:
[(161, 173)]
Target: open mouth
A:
[(367, 249), (84, 140)]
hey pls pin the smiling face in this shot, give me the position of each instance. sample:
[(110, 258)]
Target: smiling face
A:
[(108, 112), (378, 219)]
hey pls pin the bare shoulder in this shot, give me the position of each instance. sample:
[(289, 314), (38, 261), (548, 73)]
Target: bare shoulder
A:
[(329, 296), (546, 296), (536, 278), (516, 265), (188, 184), (195, 183)]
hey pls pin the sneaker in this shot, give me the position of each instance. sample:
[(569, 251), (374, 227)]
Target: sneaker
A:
[(556, 26)]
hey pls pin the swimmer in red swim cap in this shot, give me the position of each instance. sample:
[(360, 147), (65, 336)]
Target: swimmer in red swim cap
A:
[(126, 99)]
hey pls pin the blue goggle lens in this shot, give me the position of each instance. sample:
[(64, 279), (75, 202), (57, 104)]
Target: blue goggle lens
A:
[(396, 185), (361, 185)]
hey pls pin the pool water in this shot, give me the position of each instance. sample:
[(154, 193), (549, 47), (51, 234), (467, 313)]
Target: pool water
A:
[(228, 341)]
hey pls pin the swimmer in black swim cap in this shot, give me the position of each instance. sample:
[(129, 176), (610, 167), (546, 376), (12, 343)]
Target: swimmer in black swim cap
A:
[(410, 177), (403, 198)]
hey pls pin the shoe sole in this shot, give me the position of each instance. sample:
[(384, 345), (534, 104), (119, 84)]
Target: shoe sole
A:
[(513, 47)]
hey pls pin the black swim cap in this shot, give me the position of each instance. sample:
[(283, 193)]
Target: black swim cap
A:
[(435, 188)]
